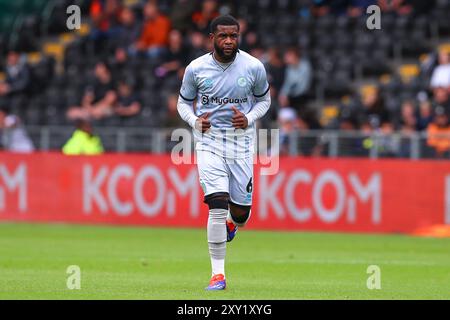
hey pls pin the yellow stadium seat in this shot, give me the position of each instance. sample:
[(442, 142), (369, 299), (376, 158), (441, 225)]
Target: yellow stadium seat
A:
[(408, 71), (54, 49), (424, 57), (444, 47), (66, 37), (34, 57), (84, 29), (329, 112), (385, 78)]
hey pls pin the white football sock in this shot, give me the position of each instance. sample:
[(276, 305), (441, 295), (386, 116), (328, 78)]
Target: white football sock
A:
[(217, 239), (217, 266)]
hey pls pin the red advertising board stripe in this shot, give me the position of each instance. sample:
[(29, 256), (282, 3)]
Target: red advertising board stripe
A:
[(357, 195)]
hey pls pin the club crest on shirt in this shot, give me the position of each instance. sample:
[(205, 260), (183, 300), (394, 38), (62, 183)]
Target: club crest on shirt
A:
[(242, 82), (208, 83)]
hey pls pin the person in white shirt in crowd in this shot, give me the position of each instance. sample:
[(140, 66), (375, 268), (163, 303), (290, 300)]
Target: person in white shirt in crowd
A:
[(14, 137), (441, 74)]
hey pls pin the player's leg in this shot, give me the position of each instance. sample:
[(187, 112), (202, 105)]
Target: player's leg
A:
[(217, 237), (241, 190), (214, 180), (239, 214)]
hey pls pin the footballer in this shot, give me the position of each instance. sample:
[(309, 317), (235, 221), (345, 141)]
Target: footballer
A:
[(222, 95)]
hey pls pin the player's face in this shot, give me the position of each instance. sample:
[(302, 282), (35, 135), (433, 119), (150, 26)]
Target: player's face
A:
[(226, 41)]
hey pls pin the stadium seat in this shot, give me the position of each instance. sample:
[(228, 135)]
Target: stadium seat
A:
[(328, 114), (324, 24), (148, 117), (73, 96), (112, 121), (343, 40), (408, 72), (33, 114), (342, 23), (303, 25)]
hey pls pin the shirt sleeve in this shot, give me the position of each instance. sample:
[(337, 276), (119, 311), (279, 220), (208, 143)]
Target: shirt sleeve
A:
[(188, 89), (188, 93), (261, 86)]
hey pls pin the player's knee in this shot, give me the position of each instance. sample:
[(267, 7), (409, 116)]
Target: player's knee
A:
[(217, 200), (240, 214)]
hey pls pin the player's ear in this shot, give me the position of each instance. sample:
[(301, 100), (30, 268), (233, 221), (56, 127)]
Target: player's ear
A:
[(211, 36)]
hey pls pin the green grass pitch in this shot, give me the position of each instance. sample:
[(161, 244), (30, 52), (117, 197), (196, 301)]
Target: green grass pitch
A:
[(164, 263)]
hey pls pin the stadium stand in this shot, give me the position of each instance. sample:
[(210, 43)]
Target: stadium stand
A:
[(360, 78)]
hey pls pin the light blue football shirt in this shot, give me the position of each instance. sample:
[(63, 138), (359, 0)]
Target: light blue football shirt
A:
[(215, 89)]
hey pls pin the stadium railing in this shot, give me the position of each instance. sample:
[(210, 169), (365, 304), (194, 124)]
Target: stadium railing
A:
[(327, 143)]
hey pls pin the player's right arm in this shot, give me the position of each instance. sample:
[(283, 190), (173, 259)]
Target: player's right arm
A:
[(188, 93)]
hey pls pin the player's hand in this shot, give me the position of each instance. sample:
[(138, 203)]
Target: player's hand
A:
[(239, 119), (202, 124)]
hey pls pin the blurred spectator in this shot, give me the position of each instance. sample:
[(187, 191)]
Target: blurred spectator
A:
[(17, 75), (387, 142), (202, 19), (14, 138), (425, 116), (408, 126), (357, 8), (325, 7), (275, 76), (119, 63), (105, 15), (441, 97), (99, 99), (155, 32), (351, 8), (127, 102), (408, 121), (308, 119), (249, 38), (367, 132), (175, 57), (197, 41), (172, 120), (129, 29), (439, 133), (441, 74), (288, 122), (259, 53), (352, 144), (390, 6), (310, 145), (406, 7), (275, 71), (181, 14), (347, 119), (372, 110), (297, 79), (83, 141)]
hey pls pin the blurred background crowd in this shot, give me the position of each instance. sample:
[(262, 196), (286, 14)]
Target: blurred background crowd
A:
[(328, 72)]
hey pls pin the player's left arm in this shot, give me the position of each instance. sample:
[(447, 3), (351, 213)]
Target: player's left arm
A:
[(261, 92)]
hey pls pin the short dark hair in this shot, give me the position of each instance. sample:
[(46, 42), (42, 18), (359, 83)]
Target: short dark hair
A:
[(225, 20)]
